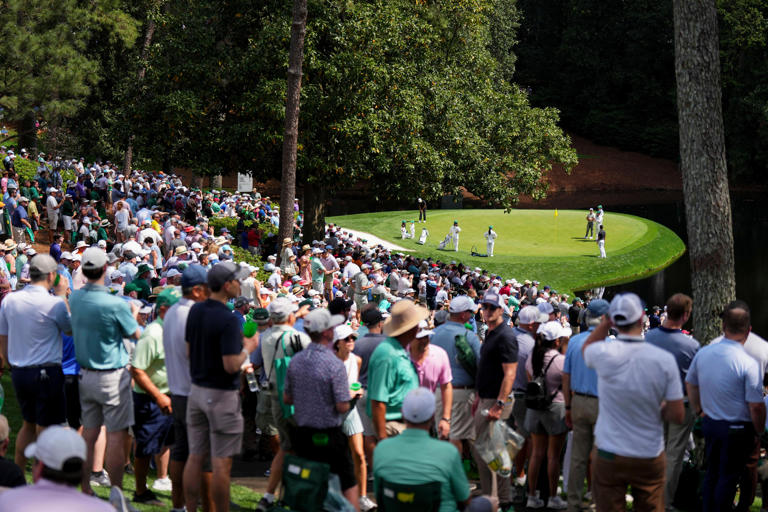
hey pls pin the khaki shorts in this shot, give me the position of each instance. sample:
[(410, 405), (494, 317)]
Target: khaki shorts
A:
[(283, 424), (214, 422), (462, 423), (361, 301), (264, 419), (106, 399)]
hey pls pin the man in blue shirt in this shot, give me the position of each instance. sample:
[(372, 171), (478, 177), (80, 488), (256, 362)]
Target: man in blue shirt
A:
[(462, 425), (724, 383), (581, 404), (670, 337), (20, 220), (100, 321)]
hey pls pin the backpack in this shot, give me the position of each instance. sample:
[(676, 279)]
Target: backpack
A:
[(536, 396), (465, 356), (281, 369)]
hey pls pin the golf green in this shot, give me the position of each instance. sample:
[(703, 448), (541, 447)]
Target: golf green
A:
[(536, 244)]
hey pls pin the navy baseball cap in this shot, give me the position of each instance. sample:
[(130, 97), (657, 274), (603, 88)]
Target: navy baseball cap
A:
[(492, 299), (194, 275), (598, 307)]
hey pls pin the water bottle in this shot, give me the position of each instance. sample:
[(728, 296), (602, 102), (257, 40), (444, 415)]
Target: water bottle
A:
[(253, 382)]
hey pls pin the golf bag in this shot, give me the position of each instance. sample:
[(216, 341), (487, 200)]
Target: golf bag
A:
[(442, 245), (474, 252)]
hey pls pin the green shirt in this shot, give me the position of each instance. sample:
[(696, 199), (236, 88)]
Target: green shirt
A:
[(144, 289), (318, 270), (415, 458), (100, 321), (67, 208), (149, 356), (390, 377)]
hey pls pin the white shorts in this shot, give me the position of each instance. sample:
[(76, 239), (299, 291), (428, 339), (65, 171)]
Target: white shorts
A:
[(67, 222)]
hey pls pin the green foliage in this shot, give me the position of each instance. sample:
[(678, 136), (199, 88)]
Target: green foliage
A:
[(27, 170), (48, 70), (405, 95), (265, 228)]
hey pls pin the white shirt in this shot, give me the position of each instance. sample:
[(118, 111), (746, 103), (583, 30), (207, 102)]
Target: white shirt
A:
[(121, 218), (51, 204), (350, 270), (150, 233), (633, 378), (175, 345)]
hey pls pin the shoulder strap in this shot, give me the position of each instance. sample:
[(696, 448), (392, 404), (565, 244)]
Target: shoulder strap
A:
[(274, 356)]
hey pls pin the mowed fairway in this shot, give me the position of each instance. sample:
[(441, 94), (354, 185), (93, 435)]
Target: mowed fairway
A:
[(534, 244)]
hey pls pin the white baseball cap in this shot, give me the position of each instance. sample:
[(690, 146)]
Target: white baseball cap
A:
[(462, 303), (545, 307), (626, 309), (94, 258), (55, 445), (424, 330), (343, 331), (550, 330), (530, 315), (281, 307), (418, 405)]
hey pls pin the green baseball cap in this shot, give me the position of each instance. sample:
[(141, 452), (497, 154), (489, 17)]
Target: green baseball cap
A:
[(130, 287), (168, 297), (260, 316)]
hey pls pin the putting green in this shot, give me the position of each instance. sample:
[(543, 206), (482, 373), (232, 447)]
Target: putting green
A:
[(536, 244)]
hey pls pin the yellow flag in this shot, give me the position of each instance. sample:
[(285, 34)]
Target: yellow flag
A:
[(555, 212)]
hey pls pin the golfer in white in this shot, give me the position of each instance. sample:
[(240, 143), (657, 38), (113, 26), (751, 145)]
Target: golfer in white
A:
[(490, 240), (454, 232)]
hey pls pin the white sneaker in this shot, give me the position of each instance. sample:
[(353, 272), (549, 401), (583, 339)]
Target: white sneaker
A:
[(588, 496), (162, 484), (366, 504), (520, 481), (534, 501), (556, 503)]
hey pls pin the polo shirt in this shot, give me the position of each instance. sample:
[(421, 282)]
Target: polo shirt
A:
[(390, 377), (317, 381), (445, 338), (19, 213), (47, 495), (318, 270), (415, 458), (633, 379), (271, 347), (728, 379), (435, 370), (149, 356), (212, 332), (500, 347), (364, 348), (100, 321), (525, 343), (583, 378), (34, 321), (756, 347), (682, 346)]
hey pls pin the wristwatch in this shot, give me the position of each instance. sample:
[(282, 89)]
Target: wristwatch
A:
[(448, 420), (500, 403)]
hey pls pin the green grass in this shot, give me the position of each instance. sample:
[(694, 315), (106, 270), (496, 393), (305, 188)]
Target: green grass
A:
[(241, 497), (534, 244)]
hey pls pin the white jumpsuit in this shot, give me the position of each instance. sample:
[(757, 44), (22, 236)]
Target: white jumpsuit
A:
[(455, 230), (490, 240)]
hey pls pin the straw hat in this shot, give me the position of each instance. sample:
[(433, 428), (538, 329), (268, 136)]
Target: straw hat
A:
[(287, 241), (10, 245), (404, 315)]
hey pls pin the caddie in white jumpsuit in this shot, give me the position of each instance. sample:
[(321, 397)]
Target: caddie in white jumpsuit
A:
[(413, 229), (455, 230), (423, 237), (490, 240)]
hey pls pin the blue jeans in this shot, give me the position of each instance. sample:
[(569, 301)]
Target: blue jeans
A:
[(728, 445)]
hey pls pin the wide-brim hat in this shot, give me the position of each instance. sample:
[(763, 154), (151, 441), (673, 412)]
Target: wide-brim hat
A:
[(10, 245), (404, 316), (287, 241)]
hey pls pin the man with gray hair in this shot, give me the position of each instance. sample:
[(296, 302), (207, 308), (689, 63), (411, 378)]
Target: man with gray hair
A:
[(279, 341), (31, 324), (581, 404)]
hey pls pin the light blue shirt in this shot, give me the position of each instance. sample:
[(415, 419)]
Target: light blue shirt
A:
[(583, 378), (525, 343), (100, 321), (728, 379), (34, 321), (445, 338)]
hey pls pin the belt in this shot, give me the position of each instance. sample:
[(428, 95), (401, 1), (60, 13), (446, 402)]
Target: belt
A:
[(584, 394), (101, 370), (36, 366)]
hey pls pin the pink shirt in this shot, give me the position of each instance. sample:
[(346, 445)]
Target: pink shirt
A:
[(435, 370), (47, 495), (554, 378)]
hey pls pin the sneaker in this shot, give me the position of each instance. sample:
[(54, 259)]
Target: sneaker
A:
[(147, 498), (162, 484), (366, 504), (520, 481), (128, 469), (534, 501), (588, 496), (117, 500), (100, 479), (556, 503), (264, 505)]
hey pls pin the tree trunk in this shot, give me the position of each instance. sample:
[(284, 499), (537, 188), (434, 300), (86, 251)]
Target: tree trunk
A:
[(216, 181), (292, 104), (314, 213), (28, 133), (148, 35), (702, 159)]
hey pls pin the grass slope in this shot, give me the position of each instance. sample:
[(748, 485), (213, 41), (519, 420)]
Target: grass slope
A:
[(534, 244)]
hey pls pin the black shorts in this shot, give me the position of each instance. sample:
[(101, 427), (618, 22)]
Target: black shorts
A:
[(40, 392), (72, 394), (180, 448), (328, 445), (152, 429)]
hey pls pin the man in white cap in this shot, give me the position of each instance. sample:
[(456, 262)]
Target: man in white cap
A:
[(20, 220), (279, 341), (52, 206), (415, 458), (629, 434), (59, 454), (318, 387), (31, 324), (460, 311), (100, 321)]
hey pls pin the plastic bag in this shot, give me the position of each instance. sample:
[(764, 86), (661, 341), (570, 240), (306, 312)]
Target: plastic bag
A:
[(498, 446)]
